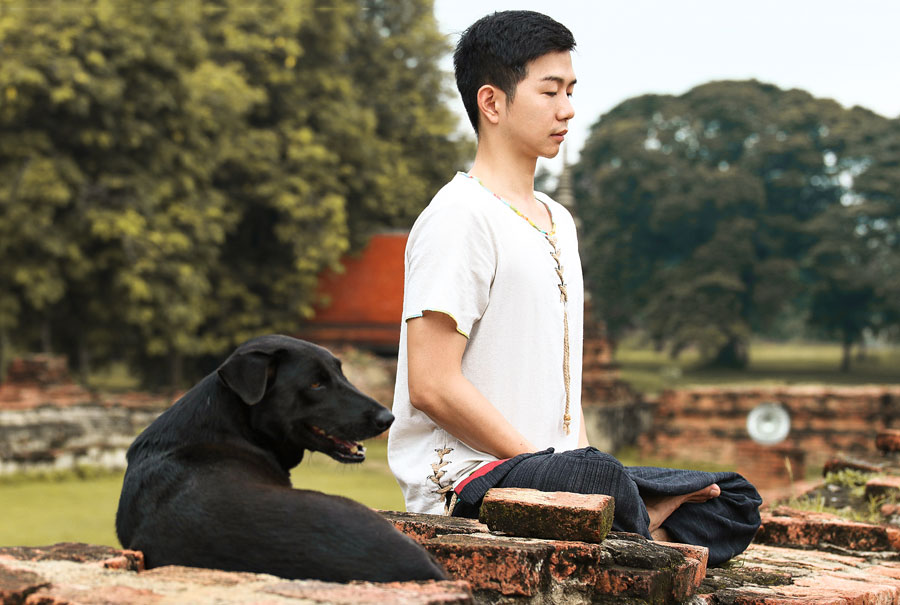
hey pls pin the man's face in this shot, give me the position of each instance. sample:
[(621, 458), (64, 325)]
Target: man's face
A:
[(536, 120)]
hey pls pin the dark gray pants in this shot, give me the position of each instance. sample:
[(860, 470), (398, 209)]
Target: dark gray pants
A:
[(725, 525)]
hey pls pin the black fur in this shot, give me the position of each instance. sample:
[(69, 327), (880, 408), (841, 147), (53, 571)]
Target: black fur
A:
[(208, 482)]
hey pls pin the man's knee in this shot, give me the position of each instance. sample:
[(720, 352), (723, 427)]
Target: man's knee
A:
[(596, 456)]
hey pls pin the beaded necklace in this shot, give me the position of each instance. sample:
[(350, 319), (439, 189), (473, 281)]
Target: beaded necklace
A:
[(555, 253)]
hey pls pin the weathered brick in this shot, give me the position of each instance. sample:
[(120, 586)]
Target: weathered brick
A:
[(504, 565), (549, 515), (106, 556), (396, 593), (17, 584), (690, 574), (842, 462), (877, 487), (788, 527), (888, 440), (66, 594), (422, 527)]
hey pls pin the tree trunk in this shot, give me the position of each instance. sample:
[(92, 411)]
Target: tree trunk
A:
[(176, 370), (46, 337), (84, 361), (846, 347), (735, 355), (4, 352)]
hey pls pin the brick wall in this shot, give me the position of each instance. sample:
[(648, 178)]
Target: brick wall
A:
[(710, 424)]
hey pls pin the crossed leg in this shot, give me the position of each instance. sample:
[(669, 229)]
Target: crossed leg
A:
[(659, 508)]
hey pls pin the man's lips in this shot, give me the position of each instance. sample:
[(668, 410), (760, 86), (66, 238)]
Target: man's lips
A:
[(559, 135)]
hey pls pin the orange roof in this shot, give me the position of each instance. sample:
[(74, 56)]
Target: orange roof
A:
[(363, 304)]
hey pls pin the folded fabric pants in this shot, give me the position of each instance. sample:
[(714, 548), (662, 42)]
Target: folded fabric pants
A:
[(725, 525)]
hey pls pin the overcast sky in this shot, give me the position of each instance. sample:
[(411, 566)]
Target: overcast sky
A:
[(840, 49)]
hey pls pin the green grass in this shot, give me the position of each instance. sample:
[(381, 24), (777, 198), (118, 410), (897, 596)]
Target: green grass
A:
[(650, 371), (370, 482), (630, 456), (41, 511), (70, 508)]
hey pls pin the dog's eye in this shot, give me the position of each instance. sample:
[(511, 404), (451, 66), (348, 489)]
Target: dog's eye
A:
[(317, 385)]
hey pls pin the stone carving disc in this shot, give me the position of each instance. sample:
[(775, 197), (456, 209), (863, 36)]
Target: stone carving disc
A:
[(768, 423)]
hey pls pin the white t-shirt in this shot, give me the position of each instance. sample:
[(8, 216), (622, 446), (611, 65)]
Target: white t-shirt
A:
[(471, 256)]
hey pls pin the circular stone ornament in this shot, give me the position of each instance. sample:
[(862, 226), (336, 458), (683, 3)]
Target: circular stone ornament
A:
[(768, 423)]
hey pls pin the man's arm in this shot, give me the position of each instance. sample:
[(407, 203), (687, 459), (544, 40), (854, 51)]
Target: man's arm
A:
[(582, 436), (438, 388)]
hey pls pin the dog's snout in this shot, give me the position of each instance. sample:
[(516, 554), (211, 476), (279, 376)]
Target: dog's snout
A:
[(383, 419)]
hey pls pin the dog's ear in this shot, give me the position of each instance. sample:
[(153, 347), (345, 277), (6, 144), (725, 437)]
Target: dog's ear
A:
[(247, 374)]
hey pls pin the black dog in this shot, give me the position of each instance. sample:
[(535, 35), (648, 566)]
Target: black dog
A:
[(208, 482)]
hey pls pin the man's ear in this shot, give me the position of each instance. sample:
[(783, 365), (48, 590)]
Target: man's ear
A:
[(489, 98), (247, 375)]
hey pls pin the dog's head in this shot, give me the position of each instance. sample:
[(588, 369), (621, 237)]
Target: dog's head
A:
[(299, 399)]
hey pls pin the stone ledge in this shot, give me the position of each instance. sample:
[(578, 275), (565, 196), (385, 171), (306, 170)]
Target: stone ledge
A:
[(512, 566), (775, 575), (64, 574), (789, 527), (422, 527), (530, 570)]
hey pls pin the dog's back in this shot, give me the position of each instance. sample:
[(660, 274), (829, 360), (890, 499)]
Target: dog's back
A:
[(206, 487)]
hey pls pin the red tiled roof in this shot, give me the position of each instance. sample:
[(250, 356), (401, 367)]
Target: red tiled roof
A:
[(364, 303)]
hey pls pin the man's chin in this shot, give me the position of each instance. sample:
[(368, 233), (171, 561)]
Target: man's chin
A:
[(551, 153)]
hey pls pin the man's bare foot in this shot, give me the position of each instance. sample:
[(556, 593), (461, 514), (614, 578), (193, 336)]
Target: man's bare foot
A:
[(659, 508)]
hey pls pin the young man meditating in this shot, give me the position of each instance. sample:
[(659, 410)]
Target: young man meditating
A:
[(488, 389)]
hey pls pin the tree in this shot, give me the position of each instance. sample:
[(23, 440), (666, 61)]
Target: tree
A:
[(99, 108), (176, 176), (352, 137), (855, 261), (697, 209)]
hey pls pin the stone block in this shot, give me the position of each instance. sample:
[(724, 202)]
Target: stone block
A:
[(842, 462), (512, 567), (550, 515), (888, 440), (788, 527), (396, 593), (421, 527), (17, 584), (104, 556), (886, 486), (696, 560)]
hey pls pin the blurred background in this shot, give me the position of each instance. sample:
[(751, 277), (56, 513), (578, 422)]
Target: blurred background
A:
[(176, 177)]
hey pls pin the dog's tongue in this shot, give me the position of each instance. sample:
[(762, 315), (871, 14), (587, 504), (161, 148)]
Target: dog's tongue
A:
[(348, 448), (353, 447)]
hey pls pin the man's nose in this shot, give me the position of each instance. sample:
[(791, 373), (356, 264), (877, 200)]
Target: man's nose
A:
[(566, 110)]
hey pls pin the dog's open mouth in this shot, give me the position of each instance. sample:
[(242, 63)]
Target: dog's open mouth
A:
[(341, 450)]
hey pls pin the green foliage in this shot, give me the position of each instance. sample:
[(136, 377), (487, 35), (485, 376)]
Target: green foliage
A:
[(853, 482), (174, 177), (849, 478), (705, 215)]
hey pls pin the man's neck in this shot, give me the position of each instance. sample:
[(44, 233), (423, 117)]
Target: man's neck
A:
[(508, 175)]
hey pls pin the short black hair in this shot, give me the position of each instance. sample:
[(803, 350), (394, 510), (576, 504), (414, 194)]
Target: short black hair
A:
[(497, 48)]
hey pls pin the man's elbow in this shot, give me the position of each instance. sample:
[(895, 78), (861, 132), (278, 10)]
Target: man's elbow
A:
[(424, 396)]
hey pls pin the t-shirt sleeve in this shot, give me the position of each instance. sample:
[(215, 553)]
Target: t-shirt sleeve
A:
[(450, 265)]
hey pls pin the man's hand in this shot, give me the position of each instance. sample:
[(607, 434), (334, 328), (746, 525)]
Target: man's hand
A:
[(438, 388)]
